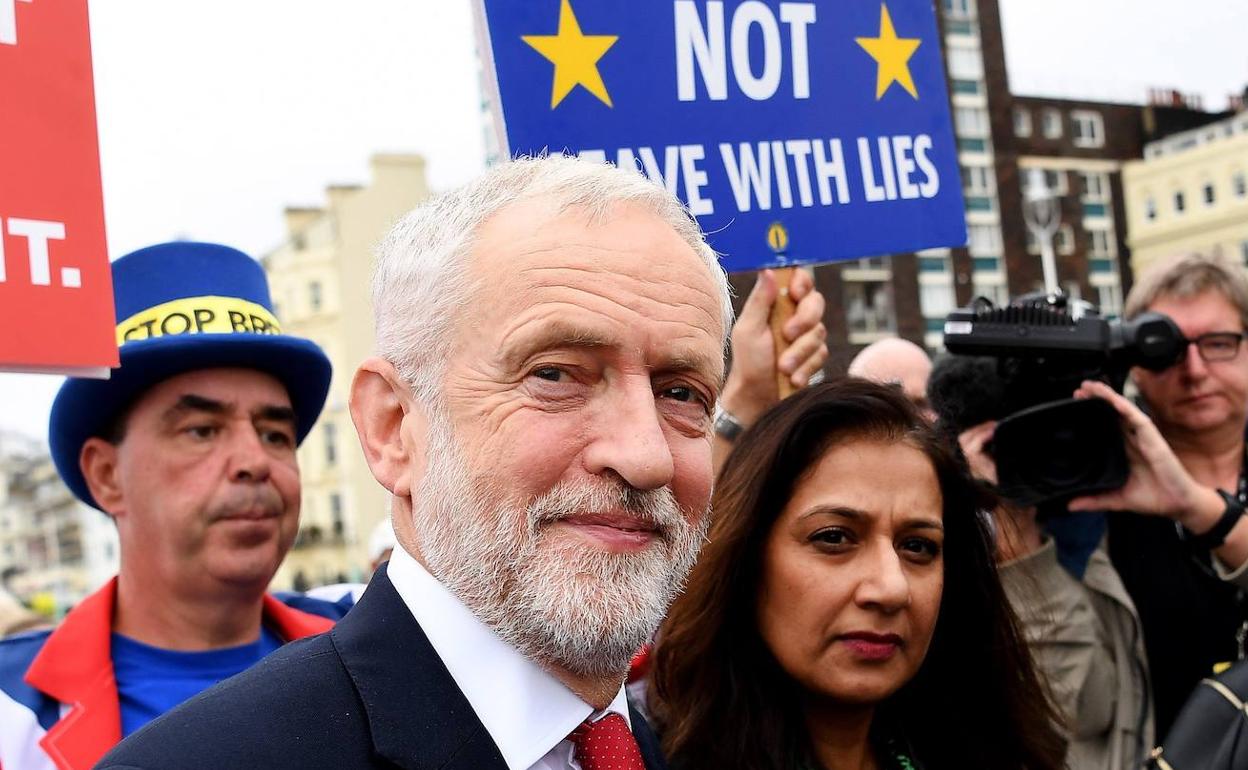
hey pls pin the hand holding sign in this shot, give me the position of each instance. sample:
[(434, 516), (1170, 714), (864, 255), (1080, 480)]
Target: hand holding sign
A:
[(761, 368)]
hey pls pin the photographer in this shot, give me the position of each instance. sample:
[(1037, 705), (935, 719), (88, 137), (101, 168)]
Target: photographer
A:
[(1178, 538), (1078, 620)]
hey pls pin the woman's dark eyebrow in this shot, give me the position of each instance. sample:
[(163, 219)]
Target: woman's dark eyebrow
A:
[(923, 524), (853, 514), (843, 511)]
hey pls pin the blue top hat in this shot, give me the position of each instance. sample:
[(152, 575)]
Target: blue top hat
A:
[(180, 307)]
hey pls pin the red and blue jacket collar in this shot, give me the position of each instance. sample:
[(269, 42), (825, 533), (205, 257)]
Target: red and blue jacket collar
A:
[(75, 667)]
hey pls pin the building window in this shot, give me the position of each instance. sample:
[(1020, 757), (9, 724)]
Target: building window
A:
[(1208, 194), (314, 296), (936, 299), (1087, 129), (1109, 298), (869, 306), (1239, 183), (997, 293), (870, 263), (977, 180), (965, 64), (335, 515), (1056, 182), (1051, 123), (1095, 186), (984, 240), (964, 86), (1101, 245), (1064, 240), (971, 121), (1150, 209), (960, 9), (1022, 122), (1179, 202), (933, 260), (330, 432)]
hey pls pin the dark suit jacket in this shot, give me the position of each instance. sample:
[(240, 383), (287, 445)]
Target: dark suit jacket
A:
[(370, 693)]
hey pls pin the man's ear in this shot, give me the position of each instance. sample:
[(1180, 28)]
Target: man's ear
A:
[(389, 422), (98, 462)]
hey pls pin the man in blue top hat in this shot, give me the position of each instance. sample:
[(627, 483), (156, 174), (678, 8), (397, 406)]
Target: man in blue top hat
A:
[(190, 448)]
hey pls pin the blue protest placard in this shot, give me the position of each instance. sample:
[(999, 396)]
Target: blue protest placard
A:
[(797, 132)]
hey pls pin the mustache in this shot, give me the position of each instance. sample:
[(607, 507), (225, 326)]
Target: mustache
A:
[(259, 502), (656, 507)]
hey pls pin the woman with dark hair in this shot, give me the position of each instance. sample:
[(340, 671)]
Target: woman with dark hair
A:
[(846, 612)]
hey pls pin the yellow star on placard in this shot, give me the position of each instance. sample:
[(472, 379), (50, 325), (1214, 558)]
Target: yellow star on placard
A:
[(891, 54), (575, 56)]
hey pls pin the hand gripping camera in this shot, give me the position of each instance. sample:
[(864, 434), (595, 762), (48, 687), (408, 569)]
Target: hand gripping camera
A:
[(1020, 364)]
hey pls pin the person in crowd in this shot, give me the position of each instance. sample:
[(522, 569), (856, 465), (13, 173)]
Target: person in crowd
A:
[(900, 362), (551, 342), (14, 618), (380, 545), (1079, 622), (189, 447), (846, 612), (1178, 536), (751, 387)]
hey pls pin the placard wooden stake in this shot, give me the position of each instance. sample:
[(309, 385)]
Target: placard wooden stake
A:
[(781, 312)]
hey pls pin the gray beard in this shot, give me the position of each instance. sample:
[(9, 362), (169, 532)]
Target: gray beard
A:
[(559, 603)]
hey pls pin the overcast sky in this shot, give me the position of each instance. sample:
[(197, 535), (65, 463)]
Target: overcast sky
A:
[(213, 117)]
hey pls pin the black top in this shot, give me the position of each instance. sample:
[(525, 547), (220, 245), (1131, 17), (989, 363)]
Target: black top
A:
[(1191, 617), (371, 693)]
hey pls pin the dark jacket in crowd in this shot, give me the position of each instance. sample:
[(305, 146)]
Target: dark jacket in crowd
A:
[(1190, 614), (371, 693)]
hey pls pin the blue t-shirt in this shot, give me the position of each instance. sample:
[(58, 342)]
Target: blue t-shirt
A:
[(151, 680)]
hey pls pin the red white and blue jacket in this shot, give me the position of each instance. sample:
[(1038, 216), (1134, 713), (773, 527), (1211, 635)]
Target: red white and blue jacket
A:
[(59, 708)]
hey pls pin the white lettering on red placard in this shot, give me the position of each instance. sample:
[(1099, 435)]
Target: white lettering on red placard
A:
[(8, 21), (37, 233)]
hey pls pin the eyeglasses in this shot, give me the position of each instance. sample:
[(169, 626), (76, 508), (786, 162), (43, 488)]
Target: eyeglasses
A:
[(1217, 346)]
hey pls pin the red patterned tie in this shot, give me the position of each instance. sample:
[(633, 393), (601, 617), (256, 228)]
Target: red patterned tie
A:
[(607, 744)]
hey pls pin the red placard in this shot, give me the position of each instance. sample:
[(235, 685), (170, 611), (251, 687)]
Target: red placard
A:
[(56, 294)]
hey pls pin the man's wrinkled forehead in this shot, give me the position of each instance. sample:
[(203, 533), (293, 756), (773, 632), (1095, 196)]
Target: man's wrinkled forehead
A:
[(628, 284)]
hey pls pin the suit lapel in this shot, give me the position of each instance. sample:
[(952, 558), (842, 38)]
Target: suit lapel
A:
[(646, 740), (417, 715), (75, 667)]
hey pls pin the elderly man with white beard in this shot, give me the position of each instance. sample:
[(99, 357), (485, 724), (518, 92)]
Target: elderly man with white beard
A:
[(550, 350)]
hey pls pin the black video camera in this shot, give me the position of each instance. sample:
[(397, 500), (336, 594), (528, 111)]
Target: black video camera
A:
[(1020, 365)]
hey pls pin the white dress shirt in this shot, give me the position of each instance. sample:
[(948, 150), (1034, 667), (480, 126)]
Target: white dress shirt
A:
[(527, 712)]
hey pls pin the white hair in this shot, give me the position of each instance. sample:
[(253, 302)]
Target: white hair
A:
[(419, 282)]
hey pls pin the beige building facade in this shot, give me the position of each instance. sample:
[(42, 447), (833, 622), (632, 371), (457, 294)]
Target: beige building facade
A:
[(54, 549), (319, 279), (1190, 194)]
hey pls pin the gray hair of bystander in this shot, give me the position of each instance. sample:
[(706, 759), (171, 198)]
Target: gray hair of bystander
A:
[(1188, 276), (420, 279)]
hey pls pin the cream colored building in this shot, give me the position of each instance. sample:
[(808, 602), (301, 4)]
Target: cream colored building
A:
[(54, 550), (319, 280), (1190, 194)]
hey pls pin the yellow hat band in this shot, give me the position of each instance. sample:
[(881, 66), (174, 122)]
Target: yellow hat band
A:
[(198, 315)]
